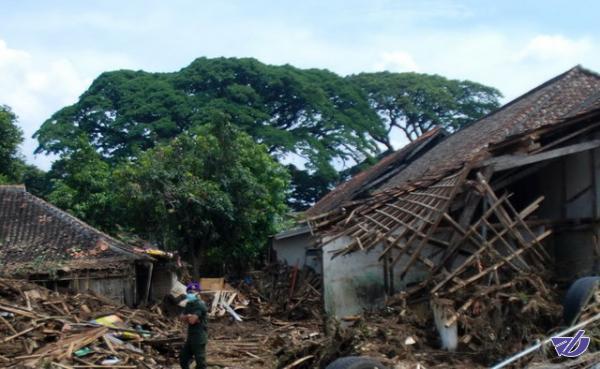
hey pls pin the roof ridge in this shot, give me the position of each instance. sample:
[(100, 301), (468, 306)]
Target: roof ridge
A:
[(567, 73), (118, 246), (585, 70), (20, 187)]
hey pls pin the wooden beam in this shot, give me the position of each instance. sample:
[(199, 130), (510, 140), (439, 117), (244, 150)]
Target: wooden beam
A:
[(148, 283), (500, 263), (585, 129), (516, 175), (505, 162)]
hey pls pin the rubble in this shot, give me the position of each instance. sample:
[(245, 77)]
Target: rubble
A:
[(43, 328), (487, 286), (286, 292)]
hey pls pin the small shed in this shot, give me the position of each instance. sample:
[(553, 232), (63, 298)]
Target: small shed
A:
[(47, 245)]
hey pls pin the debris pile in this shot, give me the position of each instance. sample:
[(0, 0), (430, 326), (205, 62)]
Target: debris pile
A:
[(284, 291), (392, 339), (486, 280), (222, 298), (40, 326)]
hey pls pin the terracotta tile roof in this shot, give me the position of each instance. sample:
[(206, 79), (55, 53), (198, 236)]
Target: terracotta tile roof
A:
[(374, 176), (35, 232), (571, 93)]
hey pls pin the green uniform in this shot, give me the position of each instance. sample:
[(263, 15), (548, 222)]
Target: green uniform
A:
[(195, 344)]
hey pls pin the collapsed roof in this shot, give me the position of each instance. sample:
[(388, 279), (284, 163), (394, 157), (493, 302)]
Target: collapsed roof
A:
[(441, 214), (375, 176), (35, 234), (433, 155), (569, 94)]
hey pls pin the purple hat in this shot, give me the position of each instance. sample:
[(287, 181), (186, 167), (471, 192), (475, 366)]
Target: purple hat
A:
[(193, 286)]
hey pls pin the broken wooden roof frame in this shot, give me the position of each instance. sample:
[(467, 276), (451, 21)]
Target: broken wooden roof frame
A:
[(389, 165), (408, 222), (407, 218)]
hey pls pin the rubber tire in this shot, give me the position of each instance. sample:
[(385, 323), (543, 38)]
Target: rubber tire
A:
[(355, 362), (577, 295)]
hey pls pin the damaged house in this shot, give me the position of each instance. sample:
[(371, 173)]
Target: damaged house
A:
[(505, 202), (298, 246), (44, 244)]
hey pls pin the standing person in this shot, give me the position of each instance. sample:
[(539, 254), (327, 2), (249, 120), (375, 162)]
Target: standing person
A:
[(194, 315)]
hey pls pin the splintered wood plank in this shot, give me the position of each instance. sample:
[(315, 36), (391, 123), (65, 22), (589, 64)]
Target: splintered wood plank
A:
[(429, 194), (513, 161), (458, 180), (501, 262), (413, 214), (12, 329), (10, 338), (504, 217)]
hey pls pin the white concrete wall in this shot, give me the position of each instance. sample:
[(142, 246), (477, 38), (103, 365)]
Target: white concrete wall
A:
[(293, 250), (351, 282), (355, 282)]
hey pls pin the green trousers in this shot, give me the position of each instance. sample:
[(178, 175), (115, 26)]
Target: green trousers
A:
[(193, 348)]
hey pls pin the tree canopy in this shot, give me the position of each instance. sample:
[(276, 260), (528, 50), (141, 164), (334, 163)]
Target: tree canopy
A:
[(416, 103), (81, 183), (312, 114), (13, 169), (189, 159), (11, 137), (212, 193)]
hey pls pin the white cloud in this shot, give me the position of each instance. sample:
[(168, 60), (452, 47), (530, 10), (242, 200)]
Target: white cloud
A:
[(396, 61), (514, 62), (35, 86), (551, 47), (448, 37)]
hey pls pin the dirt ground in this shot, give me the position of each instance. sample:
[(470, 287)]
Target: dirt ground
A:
[(256, 343)]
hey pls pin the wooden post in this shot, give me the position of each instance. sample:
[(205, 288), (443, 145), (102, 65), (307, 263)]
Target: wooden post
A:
[(386, 284), (391, 277), (148, 282)]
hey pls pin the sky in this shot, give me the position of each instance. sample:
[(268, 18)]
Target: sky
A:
[(51, 51)]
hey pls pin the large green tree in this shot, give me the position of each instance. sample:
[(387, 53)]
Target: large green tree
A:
[(11, 136), (13, 169), (212, 193), (318, 118), (309, 113), (81, 183), (415, 103)]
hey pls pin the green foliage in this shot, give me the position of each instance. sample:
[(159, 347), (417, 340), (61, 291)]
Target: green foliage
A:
[(36, 181), (213, 194), (150, 152), (11, 136), (416, 103), (311, 113), (82, 184), (307, 188)]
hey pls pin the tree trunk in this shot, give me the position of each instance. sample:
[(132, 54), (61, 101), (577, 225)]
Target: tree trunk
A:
[(196, 256), (196, 260)]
